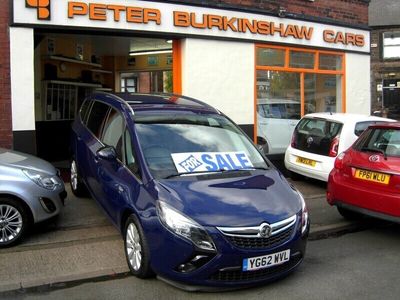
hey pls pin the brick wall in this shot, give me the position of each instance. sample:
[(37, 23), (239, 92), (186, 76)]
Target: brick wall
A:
[(353, 12), (5, 88)]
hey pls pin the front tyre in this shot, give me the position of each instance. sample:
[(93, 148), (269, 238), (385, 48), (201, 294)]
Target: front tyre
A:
[(13, 222), (136, 249)]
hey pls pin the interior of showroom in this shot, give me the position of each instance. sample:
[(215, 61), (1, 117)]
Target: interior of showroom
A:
[(69, 67)]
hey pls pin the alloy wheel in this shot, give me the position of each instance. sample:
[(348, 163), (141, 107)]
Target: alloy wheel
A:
[(133, 247), (10, 223)]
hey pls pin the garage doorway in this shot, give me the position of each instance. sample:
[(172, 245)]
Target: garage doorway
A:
[(69, 67)]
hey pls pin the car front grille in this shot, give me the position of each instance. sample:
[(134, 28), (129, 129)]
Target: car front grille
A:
[(252, 238), (239, 275), (261, 243)]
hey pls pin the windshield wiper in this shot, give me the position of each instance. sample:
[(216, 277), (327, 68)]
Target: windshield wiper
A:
[(215, 171), (375, 150), (189, 173)]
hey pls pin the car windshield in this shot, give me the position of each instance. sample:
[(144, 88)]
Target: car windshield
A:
[(382, 140), (178, 144)]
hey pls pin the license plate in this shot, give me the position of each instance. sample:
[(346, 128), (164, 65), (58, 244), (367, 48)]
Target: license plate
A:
[(266, 261), (372, 176), (306, 161)]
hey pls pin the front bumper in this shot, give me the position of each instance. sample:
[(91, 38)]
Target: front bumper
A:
[(222, 270), (45, 204)]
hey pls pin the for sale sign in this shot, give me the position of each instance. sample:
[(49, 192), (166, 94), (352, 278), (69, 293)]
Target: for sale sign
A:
[(210, 161)]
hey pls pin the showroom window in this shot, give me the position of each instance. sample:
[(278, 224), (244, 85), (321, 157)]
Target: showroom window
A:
[(290, 83), (391, 45)]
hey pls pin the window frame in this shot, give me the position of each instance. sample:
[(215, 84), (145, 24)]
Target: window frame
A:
[(301, 71), (392, 58), (101, 126), (118, 113)]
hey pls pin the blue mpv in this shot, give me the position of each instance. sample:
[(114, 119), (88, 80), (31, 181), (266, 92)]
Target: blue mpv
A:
[(195, 200)]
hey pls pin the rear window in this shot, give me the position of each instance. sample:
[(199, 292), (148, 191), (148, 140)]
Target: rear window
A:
[(316, 135), (380, 140), (361, 126), (96, 117)]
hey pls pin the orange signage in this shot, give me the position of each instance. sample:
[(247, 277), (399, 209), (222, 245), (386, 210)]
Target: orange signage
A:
[(42, 8), (98, 12), (185, 19), (331, 36), (142, 15)]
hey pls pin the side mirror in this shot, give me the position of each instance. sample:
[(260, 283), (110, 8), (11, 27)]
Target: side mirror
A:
[(107, 153)]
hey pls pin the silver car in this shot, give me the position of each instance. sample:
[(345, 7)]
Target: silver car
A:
[(31, 191)]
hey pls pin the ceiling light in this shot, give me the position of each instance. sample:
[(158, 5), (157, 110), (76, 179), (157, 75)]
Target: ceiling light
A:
[(147, 52)]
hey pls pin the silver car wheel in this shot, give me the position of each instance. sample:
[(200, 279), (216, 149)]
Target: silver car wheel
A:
[(74, 175), (133, 247), (10, 223)]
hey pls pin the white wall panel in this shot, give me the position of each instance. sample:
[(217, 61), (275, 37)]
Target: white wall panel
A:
[(222, 74), (358, 94), (22, 78)]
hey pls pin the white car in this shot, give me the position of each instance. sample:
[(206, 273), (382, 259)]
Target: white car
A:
[(319, 138), (276, 120)]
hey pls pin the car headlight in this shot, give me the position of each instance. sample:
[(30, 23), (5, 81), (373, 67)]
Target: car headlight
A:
[(184, 226), (304, 213), (46, 181)]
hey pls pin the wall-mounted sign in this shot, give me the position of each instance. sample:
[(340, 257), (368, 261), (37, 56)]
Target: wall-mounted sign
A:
[(191, 21)]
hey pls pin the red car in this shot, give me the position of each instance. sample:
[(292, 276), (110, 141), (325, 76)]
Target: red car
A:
[(366, 177)]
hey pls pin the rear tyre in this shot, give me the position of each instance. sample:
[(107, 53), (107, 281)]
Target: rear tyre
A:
[(295, 176), (78, 188), (136, 249), (349, 214), (14, 222)]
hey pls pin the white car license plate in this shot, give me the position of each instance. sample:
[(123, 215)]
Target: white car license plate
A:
[(266, 261)]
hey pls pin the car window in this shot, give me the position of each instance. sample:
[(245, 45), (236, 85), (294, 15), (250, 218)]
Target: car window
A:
[(96, 117), (163, 137), (279, 110), (316, 135), (361, 126), (84, 110), (293, 111), (112, 132), (383, 140), (130, 155)]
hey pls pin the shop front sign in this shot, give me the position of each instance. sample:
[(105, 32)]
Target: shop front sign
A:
[(190, 21)]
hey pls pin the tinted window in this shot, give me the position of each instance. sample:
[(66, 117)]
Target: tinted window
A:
[(84, 110), (279, 111), (112, 132), (361, 126), (130, 155), (316, 135), (96, 118), (382, 140)]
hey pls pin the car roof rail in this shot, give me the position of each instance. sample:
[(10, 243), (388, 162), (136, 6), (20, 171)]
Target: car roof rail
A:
[(156, 98)]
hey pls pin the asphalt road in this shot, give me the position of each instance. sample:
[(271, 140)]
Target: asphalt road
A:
[(362, 265)]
